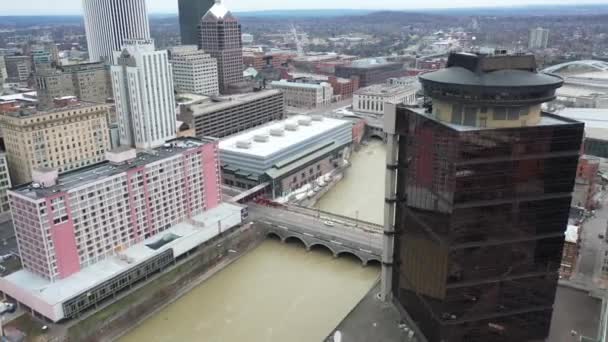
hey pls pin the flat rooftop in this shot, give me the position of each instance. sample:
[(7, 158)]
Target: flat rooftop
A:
[(25, 113), (80, 177), (276, 144), (595, 119), (189, 236), (386, 89), (295, 85), (231, 101)]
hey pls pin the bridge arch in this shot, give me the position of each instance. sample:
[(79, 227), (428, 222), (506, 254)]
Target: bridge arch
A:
[(274, 236), (296, 240), (352, 255), (322, 247)]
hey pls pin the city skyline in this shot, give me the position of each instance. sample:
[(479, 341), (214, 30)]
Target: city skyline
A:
[(72, 7)]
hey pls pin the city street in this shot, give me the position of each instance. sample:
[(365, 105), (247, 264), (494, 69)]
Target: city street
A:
[(590, 259)]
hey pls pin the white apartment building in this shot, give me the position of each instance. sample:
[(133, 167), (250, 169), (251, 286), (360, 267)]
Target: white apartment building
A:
[(305, 95), (372, 99), (142, 80), (109, 23), (194, 71), (539, 38)]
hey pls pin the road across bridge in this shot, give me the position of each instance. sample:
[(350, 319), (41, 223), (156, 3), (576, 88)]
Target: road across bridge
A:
[(339, 237)]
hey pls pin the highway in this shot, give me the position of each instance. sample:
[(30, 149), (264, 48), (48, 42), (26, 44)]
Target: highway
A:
[(314, 226)]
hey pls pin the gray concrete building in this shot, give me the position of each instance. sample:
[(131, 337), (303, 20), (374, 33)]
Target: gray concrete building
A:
[(89, 82), (18, 68), (194, 71), (231, 115)]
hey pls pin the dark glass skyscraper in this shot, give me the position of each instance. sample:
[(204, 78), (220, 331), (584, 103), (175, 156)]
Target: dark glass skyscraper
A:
[(483, 191), (190, 14)]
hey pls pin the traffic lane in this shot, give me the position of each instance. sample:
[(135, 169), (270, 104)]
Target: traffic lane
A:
[(291, 216), (317, 225)]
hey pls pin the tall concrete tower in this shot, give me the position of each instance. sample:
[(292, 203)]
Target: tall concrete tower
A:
[(109, 22), (142, 79), (190, 14), (220, 36)]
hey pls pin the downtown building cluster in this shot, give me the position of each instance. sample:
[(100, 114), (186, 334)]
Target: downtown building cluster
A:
[(96, 212)]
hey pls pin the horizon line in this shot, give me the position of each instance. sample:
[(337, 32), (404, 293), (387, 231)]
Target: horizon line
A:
[(79, 12)]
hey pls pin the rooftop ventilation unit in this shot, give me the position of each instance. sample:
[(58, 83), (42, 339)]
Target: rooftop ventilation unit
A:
[(244, 144), (277, 132), (305, 121), (291, 126), (262, 138), (317, 118)]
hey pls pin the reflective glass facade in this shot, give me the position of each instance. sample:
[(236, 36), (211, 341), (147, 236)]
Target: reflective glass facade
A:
[(480, 225)]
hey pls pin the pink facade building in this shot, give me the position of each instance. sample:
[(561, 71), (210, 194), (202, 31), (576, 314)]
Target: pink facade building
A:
[(82, 217)]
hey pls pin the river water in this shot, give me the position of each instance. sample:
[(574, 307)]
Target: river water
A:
[(361, 192), (279, 292)]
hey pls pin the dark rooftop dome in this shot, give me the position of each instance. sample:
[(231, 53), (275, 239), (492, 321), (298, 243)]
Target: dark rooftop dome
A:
[(500, 77)]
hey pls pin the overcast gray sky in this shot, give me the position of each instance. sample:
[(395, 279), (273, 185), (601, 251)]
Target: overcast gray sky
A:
[(11, 7)]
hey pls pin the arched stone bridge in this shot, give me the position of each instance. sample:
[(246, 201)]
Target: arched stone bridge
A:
[(336, 245)]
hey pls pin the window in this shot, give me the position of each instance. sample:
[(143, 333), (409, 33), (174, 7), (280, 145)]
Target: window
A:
[(457, 114), (470, 116), (500, 113)]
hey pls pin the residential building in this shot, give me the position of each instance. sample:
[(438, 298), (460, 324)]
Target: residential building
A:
[(5, 184), (18, 68), (64, 138), (344, 88), (109, 23), (234, 114), (142, 80), (193, 71), (190, 14), (372, 99), (478, 199), (86, 235), (220, 36), (305, 95), (287, 154), (370, 71), (539, 38), (570, 254)]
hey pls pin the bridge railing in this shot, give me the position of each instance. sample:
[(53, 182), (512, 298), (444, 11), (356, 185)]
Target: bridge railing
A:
[(324, 215)]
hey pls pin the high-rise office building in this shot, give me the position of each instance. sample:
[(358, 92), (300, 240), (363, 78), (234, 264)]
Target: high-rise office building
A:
[(142, 81), (220, 36), (88, 82), (193, 70), (480, 183), (539, 38), (64, 138), (18, 68), (109, 23), (190, 14)]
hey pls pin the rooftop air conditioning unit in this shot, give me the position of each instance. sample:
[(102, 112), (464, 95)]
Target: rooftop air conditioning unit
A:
[(291, 126), (262, 138), (305, 121), (317, 118), (244, 144), (277, 132)]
